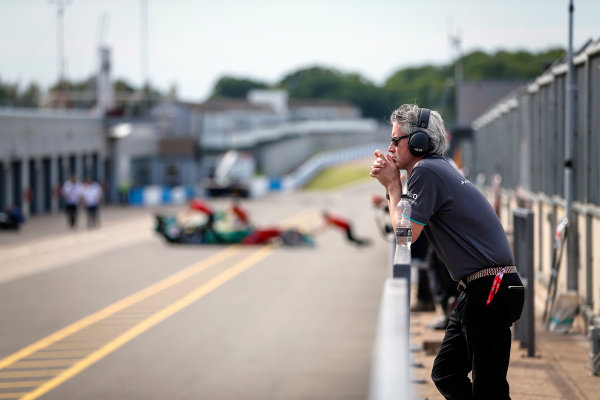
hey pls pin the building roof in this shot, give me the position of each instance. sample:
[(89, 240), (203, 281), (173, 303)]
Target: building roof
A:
[(296, 103), (475, 97), (229, 104)]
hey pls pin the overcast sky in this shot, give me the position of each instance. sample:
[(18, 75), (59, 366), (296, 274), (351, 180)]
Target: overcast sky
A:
[(191, 43)]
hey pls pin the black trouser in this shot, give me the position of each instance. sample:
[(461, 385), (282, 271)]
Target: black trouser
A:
[(419, 251), (352, 238), (441, 283), (424, 286), (478, 339), (92, 215), (71, 210)]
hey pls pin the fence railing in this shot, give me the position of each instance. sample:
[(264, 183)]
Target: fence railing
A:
[(522, 138), (390, 371), (547, 213)]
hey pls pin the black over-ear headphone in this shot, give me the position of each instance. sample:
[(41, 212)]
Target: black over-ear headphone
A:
[(418, 141)]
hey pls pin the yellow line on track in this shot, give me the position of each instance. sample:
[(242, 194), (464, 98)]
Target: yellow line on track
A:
[(44, 355), (19, 384), (161, 315), (36, 373), (68, 337), (42, 363), (10, 395), (121, 304)]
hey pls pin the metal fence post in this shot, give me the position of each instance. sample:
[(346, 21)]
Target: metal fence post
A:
[(523, 251), (402, 271), (594, 335)]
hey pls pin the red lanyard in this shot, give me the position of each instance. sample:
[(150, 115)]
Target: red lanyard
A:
[(495, 286)]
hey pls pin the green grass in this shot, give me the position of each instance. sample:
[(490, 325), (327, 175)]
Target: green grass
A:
[(334, 177)]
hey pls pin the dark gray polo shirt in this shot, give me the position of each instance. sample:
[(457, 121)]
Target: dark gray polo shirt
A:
[(459, 221)]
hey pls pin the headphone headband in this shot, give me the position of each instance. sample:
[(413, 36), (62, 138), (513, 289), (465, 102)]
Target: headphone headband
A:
[(423, 121)]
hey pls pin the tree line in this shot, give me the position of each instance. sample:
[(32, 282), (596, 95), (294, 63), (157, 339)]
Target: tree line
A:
[(427, 84)]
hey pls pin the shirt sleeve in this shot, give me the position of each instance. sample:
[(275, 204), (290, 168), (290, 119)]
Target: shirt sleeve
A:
[(426, 189)]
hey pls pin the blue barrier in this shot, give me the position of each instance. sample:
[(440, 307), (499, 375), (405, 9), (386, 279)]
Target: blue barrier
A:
[(275, 184), (160, 195), (136, 196)]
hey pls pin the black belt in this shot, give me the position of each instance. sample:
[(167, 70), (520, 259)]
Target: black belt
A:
[(492, 271)]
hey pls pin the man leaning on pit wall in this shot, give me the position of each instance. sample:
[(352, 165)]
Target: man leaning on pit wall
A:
[(467, 235)]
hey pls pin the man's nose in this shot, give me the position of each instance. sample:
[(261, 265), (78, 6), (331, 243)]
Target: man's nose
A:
[(391, 148)]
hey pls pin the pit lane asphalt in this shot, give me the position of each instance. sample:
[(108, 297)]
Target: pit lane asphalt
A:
[(298, 323)]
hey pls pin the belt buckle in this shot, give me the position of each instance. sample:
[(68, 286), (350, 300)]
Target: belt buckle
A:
[(461, 286)]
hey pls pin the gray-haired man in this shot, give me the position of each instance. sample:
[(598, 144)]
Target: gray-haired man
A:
[(468, 237)]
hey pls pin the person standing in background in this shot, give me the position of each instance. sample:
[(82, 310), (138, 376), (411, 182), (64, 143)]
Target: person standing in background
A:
[(343, 224), (92, 195), (71, 193)]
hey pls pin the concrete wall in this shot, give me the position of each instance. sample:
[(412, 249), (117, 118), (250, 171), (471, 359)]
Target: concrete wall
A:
[(36, 133), (141, 142), (38, 151), (280, 157), (280, 149), (39, 148)]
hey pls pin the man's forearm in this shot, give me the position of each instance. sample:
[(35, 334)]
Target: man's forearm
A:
[(395, 192)]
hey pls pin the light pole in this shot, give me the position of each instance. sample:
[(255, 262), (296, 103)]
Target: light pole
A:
[(60, 41), (569, 128)]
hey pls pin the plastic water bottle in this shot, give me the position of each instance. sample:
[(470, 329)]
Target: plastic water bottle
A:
[(403, 231)]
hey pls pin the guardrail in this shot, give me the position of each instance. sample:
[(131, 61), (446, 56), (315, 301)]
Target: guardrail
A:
[(390, 370), (160, 195), (310, 168), (315, 164)]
